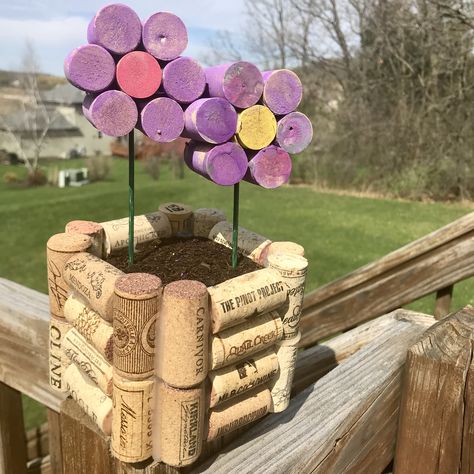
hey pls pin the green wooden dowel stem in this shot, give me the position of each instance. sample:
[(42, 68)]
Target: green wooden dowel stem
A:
[(131, 196), (235, 227)]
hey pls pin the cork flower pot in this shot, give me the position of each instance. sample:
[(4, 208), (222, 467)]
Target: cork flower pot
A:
[(164, 370)]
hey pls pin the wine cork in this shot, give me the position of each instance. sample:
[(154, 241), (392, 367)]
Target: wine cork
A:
[(147, 227), (244, 297), (287, 353), (256, 127), (288, 248), (183, 334), (132, 419), (58, 362), (92, 364), (90, 398), (249, 243), (205, 219), (59, 249), (239, 342), (238, 378), (184, 80), (135, 308), (180, 217), (93, 279), (282, 92), (239, 412), (94, 230), (90, 325), (294, 132), (293, 269), (178, 426)]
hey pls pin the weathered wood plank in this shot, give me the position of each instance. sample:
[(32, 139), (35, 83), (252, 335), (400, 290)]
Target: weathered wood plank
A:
[(345, 422), (41, 466), (423, 267), (436, 430), (317, 361), (24, 317), (55, 443), (37, 442), (443, 301), (13, 457)]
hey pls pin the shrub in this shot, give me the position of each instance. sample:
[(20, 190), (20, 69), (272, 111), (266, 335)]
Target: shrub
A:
[(99, 167), (10, 178), (36, 177)]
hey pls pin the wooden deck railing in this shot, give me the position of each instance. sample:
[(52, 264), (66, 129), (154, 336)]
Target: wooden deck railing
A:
[(342, 420)]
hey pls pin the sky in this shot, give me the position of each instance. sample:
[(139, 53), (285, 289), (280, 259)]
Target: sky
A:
[(55, 27)]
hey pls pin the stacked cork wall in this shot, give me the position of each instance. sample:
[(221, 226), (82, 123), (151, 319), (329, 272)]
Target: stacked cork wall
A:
[(160, 369)]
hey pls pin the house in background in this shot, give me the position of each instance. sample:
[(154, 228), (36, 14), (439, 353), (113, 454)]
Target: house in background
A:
[(69, 135)]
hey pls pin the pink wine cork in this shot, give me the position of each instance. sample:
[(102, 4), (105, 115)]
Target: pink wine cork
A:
[(90, 325), (178, 426), (137, 298), (239, 342), (180, 217), (294, 132), (256, 127), (282, 92), (287, 353), (59, 249), (238, 378), (269, 167), (212, 120), (96, 404), (293, 269), (58, 362), (162, 120), (165, 36), (115, 27), (132, 419), (90, 68), (92, 364), (249, 243), (224, 164), (183, 334), (92, 229), (184, 80), (147, 227), (205, 219), (138, 74), (113, 113), (93, 279), (288, 248), (239, 412), (241, 83), (245, 296)]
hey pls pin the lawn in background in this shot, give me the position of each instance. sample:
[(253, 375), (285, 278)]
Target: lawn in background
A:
[(339, 233)]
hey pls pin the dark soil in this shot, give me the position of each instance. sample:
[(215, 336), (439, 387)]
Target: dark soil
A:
[(184, 259)]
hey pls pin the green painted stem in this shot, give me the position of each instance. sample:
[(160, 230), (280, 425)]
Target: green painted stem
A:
[(235, 227), (131, 196)]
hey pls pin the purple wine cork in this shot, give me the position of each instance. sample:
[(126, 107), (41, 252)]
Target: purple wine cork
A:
[(116, 28), (90, 68), (269, 168), (165, 36), (184, 80), (112, 112), (224, 164), (212, 120), (294, 132), (282, 92), (161, 119), (241, 83)]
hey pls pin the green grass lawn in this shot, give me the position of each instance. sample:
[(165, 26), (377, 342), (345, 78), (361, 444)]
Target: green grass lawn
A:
[(339, 233)]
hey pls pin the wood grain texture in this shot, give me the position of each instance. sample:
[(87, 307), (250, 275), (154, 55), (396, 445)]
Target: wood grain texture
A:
[(346, 422), (436, 416), (13, 455), (444, 297), (55, 443), (435, 261), (24, 319)]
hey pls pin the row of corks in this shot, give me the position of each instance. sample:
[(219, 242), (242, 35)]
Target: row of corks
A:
[(246, 351), (134, 76)]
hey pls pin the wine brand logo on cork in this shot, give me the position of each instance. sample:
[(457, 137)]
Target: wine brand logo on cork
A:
[(189, 433), (125, 335)]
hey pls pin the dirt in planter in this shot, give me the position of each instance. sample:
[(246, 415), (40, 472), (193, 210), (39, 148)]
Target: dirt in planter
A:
[(184, 259)]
